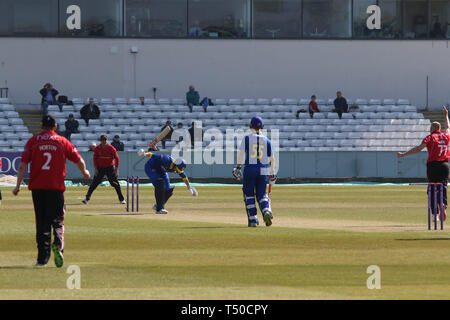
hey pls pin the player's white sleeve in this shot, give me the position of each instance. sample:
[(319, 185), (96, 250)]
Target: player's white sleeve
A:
[(241, 154), (242, 147)]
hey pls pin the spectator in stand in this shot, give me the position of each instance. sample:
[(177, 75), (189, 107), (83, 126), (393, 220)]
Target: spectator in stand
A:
[(192, 98), (169, 136), (71, 127), (142, 101), (90, 111), (340, 104), (437, 31), (196, 134), (117, 144), (313, 108), (179, 128), (195, 31), (49, 94)]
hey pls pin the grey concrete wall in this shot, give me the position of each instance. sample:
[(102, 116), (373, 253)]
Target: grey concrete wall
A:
[(295, 165), (227, 68)]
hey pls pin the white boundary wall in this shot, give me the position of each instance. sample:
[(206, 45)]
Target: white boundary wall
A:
[(227, 68)]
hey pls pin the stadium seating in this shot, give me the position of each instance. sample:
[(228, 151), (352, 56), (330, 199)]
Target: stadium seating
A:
[(13, 132), (375, 125)]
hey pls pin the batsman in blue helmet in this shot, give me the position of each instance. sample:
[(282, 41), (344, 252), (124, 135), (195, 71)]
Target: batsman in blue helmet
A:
[(255, 154), (156, 169)]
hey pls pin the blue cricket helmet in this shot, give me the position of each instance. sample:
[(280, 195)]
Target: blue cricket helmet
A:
[(181, 164), (257, 123)]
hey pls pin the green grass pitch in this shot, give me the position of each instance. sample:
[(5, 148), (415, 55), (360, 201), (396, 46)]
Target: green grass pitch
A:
[(321, 242)]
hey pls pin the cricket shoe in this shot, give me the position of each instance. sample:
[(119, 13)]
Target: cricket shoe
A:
[(58, 256), (267, 216), (123, 202), (253, 224), (85, 201), (162, 211), (39, 265)]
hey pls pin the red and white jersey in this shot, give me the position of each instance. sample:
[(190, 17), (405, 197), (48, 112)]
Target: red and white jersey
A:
[(47, 152), (437, 146), (105, 156)]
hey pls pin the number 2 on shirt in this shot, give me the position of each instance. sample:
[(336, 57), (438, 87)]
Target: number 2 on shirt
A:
[(46, 165)]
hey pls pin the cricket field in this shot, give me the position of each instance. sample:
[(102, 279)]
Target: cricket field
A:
[(320, 246)]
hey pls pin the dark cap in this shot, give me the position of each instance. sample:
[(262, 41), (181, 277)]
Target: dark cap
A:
[(116, 136), (71, 115), (48, 121)]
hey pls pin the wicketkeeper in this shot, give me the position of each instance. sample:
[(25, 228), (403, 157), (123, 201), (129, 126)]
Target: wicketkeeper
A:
[(256, 154), (106, 162), (156, 169)]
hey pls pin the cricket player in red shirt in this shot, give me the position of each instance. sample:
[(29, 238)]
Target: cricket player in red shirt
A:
[(438, 155), (106, 162), (47, 152)]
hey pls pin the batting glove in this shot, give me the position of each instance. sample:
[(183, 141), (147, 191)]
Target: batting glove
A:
[(237, 174), (273, 178), (153, 146), (141, 153)]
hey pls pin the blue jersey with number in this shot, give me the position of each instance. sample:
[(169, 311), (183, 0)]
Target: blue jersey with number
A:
[(161, 163), (258, 150)]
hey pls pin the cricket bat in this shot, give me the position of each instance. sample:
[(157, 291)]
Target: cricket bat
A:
[(153, 145), (270, 189)]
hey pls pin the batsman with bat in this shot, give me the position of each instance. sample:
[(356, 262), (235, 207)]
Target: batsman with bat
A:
[(153, 145), (156, 169), (256, 154)]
